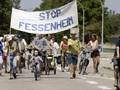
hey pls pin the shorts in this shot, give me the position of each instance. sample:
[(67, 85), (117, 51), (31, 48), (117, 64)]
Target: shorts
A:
[(95, 53), (72, 59), (116, 64)]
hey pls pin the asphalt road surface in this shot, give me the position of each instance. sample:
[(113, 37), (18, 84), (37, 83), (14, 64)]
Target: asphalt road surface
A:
[(60, 81)]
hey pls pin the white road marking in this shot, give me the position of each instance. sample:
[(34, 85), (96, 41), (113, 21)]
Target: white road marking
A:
[(99, 77), (83, 77), (104, 88), (59, 68), (92, 82), (89, 76)]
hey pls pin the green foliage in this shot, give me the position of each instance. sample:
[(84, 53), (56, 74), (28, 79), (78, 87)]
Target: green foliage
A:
[(114, 24), (93, 10), (16, 4), (5, 14), (51, 4), (93, 16)]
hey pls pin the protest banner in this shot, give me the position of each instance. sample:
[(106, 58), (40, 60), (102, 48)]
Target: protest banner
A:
[(45, 22)]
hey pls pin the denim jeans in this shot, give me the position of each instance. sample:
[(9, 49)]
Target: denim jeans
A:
[(11, 57), (72, 59)]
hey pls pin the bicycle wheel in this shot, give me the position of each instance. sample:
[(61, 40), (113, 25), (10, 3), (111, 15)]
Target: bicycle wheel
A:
[(46, 68), (85, 64), (54, 69), (83, 69), (28, 64), (80, 66)]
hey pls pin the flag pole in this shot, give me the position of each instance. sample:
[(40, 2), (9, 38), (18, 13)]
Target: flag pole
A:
[(10, 31)]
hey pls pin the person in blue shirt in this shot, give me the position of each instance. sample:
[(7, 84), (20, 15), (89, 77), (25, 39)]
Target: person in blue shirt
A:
[(1, 57)]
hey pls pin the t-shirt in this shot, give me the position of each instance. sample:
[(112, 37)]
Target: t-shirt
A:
[(22, 45), (41, 44), (1, 49), (45, 44), (36, 59), (94, 44), (74, 46), (64, 46), (56, 49), (13, 47)]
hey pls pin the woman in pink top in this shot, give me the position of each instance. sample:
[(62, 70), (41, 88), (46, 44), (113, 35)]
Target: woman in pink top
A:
[(95, 55)]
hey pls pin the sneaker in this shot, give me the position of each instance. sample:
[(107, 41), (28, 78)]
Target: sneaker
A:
[(67, 70), (36, 79), (115, 83), (14, 75), (10, 78), (85, 73), (6, 72), (71, 78), (74, 75)]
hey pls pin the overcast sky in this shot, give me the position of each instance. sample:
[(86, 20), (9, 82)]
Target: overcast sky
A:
[(31, 4)]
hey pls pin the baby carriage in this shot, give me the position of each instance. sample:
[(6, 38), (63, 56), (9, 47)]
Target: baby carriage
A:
[(49, 62)]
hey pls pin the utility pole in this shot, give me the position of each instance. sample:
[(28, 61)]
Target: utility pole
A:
[(83, 40), (102, 34)]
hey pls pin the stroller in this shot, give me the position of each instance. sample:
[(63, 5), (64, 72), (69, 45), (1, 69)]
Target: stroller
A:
[(49, 62)]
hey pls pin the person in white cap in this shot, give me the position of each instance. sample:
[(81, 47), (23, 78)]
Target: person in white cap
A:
[(74, 50), (12, 49), (64, 48)]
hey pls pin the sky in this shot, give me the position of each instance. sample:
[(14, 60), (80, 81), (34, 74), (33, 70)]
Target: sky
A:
[(31, 4), (113, 5)]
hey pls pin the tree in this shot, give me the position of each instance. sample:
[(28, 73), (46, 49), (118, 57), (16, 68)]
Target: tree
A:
[(51, 4), (5, 14), (93, 10), (93, 17), (114, 22), (16, 4)]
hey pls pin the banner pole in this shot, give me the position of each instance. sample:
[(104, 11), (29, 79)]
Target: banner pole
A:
[(10, 30)]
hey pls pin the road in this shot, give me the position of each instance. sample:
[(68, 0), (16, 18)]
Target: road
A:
[(61, 81)]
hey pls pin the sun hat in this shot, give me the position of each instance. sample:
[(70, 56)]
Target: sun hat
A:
[(65, 37)]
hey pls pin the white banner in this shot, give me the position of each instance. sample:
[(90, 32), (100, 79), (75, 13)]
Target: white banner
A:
[(45, 22)]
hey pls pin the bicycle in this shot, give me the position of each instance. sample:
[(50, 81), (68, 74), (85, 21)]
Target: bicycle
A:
[(45, 62), (84, 60)]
